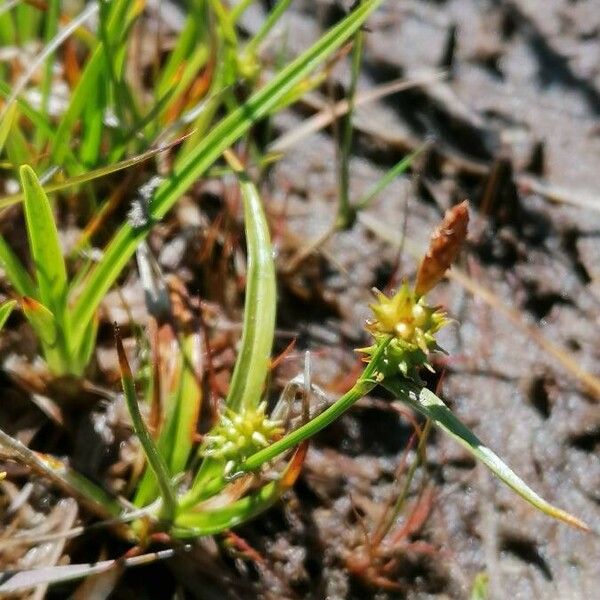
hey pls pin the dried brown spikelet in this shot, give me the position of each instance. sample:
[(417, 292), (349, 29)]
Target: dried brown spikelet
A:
[(444, 246)]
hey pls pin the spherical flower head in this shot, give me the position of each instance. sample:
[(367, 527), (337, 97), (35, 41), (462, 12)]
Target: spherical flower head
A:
[(412, 323), (239, 435)]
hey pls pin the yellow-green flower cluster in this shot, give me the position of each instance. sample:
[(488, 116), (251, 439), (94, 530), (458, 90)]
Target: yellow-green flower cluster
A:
[(412, 324), (239, 435)]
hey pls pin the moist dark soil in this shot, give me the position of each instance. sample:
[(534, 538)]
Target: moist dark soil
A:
[(515, 128)]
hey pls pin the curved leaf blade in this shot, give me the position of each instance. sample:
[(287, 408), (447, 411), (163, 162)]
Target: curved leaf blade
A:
[(5, 310), (428, 404), (252, 366), (16, 272), (44, 245)]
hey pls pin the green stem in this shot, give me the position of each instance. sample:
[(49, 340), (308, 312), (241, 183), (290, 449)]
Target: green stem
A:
[(346, 212), (396, 170), (155, 460), (266, 27), (398, 505), (363, 386)]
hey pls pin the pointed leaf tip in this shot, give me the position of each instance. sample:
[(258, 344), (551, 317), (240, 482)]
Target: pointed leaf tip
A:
[(123, 362)]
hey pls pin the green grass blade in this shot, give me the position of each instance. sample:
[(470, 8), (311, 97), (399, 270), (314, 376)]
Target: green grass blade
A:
[(45, 326), (114, 28), (182, 411), (27, 18), (8, 35), (428, 404), (273, 17), (41, 319), (82, 356), (51, 29), (77, 102), (38, 120), (5, 309), (92, 120), (6, 124), (88, 176), (363, 386), (399, 168), (197, 161), (188, 400), (44, 245), (17, 148), (15, 271), (346, 213), (155, 460), (252, 365)]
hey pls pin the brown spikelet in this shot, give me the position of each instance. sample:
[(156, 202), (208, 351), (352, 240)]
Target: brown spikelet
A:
[(444, 246)]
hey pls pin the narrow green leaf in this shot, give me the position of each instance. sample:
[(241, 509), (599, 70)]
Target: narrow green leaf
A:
[(94, 174), (278, 11), (197, 161), (44, 245), (155, 460), (187, 403), (7, 27), (428, 404), (85, 88), (346, 213), (363, 386), (16, 147), (5, 309), (7, 123), (16, 272), (182, 408), (46, 328), (252, 365), (83, 355), (41, 319), (38, 120), (51, 29), (399, 168)]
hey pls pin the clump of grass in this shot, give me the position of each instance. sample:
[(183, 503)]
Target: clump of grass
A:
[(44, 297), (62, 313)]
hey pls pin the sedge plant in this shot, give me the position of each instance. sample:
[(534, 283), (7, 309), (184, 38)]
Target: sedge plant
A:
[(227, 486), (193, 487), (219, 482)]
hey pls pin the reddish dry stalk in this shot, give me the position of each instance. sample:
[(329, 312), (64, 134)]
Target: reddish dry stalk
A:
[(239, 544), (275, 362)]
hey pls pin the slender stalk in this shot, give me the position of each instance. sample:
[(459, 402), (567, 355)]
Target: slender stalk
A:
[(269, 23), (363, 386), (155, 460), (399, 504), (396, 170), (346, 212), (92, 496)]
